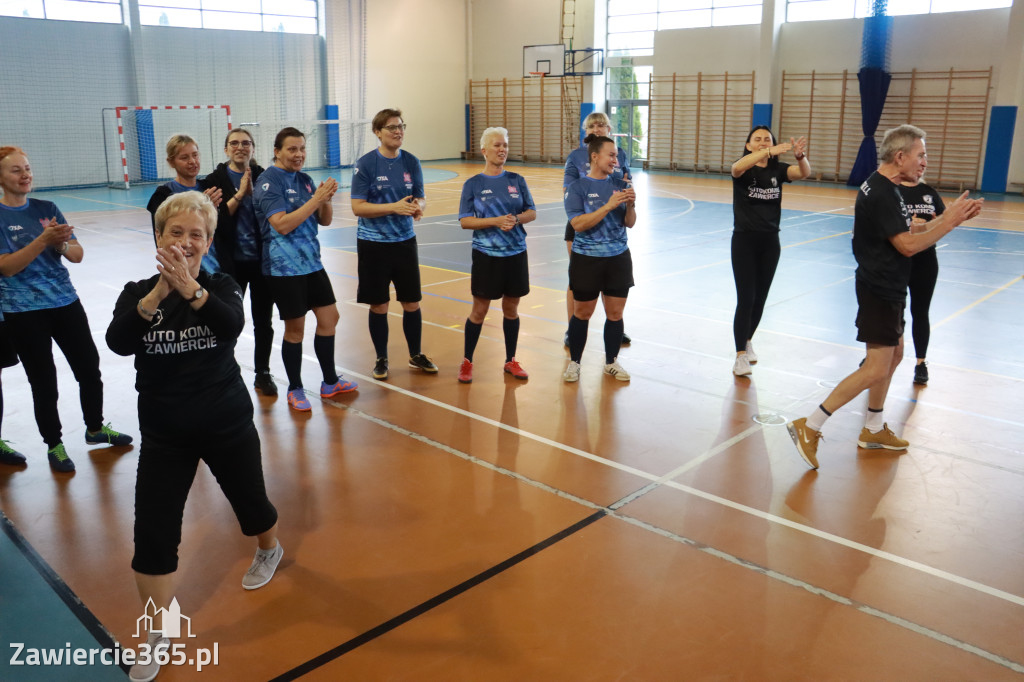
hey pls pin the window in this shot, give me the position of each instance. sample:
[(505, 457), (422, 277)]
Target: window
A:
[(632, 23), (281, 16), (100, 11), (815, 10)]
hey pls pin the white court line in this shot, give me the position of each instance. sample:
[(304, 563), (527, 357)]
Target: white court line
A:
[(881, 554)]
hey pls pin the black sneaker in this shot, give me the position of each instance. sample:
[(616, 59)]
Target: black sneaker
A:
[(105, 436), (625, 339), (421, 361), (921, 373), (59, 460), (9, 455), (265, 383), (380, 370)]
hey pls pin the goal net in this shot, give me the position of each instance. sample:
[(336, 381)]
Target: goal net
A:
[(135, 140)]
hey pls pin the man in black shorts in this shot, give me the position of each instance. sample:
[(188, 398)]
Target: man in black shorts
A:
[(882, 245)]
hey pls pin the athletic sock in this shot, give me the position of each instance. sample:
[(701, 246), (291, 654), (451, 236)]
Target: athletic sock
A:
[(412, 325), (291, 354), (323, 346), (818, 418), (577, 337), (612, 339), (873, 421), (379, 333), (511, 329), (472, 336)]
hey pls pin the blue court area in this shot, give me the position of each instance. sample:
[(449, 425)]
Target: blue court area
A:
[(38, 614)]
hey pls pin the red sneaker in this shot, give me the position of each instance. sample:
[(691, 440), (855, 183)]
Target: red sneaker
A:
[(466, 372), (513, 368)]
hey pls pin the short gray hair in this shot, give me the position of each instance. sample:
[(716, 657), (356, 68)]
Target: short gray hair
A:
[(187, 202), (899, 139), (490, 132)]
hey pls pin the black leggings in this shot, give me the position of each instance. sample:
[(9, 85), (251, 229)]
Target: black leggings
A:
[(163, 482), (924, 271), (755, 255), (248, 273), (32, 333)]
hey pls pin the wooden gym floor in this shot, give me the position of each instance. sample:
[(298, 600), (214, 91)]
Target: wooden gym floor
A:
[(663, 529)]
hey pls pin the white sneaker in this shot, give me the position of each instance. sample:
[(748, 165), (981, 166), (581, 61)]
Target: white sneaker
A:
[(145, 672), (741, 367), (751, 355), (616, 370), (262, 568), (572, 372)]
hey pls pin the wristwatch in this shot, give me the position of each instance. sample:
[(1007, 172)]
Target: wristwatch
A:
[(200, 292)]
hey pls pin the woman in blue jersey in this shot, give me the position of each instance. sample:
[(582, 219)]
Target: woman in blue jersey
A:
[(290, 208), (757, 179), (240, 244), (600, 208), (41, 306), (387, 197), (495, 205), (183, 157), (577, 165)]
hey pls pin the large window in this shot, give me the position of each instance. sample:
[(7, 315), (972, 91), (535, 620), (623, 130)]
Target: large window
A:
[(632, 23), (283, 16), (814, 10), (102, 11)]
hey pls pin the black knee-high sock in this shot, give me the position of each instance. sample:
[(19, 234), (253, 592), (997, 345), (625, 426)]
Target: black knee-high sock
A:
[(412, 325), (291, 354), (472, 336), (511, 329), (379, 333), (323, 346), (612, 339), (577, 337)]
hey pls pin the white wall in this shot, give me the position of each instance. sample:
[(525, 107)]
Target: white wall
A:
[(416, 62)]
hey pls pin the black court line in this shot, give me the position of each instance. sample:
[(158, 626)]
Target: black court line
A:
[(70, 599), (401, 619)]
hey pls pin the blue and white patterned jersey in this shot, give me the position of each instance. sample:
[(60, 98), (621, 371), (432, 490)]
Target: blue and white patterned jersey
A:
[(210, 264), (45, 282), (608, 237), (295, 253), (491, 196), (380, 180), (247, 244), (578, 165)]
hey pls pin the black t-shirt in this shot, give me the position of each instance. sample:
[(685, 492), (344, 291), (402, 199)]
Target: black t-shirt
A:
[(757, 198), (189, 384), (924, 202), (880, 213)]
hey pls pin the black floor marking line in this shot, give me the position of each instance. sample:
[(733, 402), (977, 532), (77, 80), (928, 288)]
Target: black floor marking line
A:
[(70, 599), (433, 602)]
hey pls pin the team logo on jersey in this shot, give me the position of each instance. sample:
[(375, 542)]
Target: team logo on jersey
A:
[(927, 198)]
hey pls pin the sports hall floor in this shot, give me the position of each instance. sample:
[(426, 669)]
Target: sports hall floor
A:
[(663, 529)]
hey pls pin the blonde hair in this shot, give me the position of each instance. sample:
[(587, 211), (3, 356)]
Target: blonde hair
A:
[(175, 144), (187, 202), (491, 132), (899, 139)]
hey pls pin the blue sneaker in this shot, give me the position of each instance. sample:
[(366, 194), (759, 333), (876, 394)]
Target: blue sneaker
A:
[(9, 455), (59, 460), (107, 436), (342, 386)]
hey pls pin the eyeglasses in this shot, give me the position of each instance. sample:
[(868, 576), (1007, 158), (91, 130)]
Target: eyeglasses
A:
[(240, 143), (395, 128)]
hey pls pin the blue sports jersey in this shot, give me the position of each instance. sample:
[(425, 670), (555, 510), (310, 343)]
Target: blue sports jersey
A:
[(295, 253), (491, 196), (381, 180), (45, 282), (247, 243), (608, 237), (210, 264), (578, 165)]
